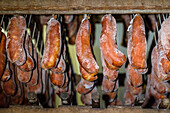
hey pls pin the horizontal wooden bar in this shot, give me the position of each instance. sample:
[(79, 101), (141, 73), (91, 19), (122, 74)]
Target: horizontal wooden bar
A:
[(78, 109), (87, 12), (84, 6)]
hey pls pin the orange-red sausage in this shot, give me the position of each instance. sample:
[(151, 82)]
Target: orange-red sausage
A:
[(37, 88), (15, 38), (86, 75), (156, 68), (129, 98), (7, 74), (87, 98), (61, 67), (18, 98), (29, 64), (83, 48), (138, 43), (134, 78), (52, 45), (26, 72), (4, 103), (84, 87), (163, 62), (108, 73), (108, 43), (158, 85), (23, 76), (57, 79), (165, 37), (3, 57), (108, 85), (35, 72), (9, 87), (72, 30), (153, 21)]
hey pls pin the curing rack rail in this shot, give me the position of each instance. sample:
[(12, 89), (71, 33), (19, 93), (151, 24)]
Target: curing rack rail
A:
[(83, 7)]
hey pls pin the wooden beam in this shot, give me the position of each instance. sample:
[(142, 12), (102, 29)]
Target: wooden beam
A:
[(84, 6), (78, 109)]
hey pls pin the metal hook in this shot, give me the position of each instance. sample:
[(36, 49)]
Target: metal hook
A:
[(33, 30), (2, 19), (8, 63), (8, 24), (38, 37), (157, 29), (133, 15), (55, 16), (155, 38), (29, 20), (61, 19), (25, 16), (166, 15), (89, 15), (41, 48), (163, 16), (85, 15), (159, 16)]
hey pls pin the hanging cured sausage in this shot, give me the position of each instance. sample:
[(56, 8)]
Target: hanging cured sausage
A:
[(137, 46), (3, 57), (83, 48), (15, 38), (108, 45), (52, 45)]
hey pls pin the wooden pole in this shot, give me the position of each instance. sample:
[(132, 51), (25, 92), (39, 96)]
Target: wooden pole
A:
[(84, 6)]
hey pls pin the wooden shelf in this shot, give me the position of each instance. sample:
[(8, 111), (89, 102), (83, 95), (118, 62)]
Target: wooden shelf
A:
[(84, 6), (78, 109)]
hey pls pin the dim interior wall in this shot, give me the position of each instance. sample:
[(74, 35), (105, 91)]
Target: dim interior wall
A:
[(74, 61)]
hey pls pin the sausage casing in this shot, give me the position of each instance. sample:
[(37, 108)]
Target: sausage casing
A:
[(165, 36), (108, 43), (3, 57), (138, 43), (15, 38), (83, 48), (52, 45), (29, 64)]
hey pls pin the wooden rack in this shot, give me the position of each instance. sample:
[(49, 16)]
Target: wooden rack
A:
[(84, 6), (78, 109)]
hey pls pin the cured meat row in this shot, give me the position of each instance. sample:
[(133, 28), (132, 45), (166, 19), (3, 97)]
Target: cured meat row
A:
[(112, 58), (29, 74), (87, 63), (158, 86), (136, 50)]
